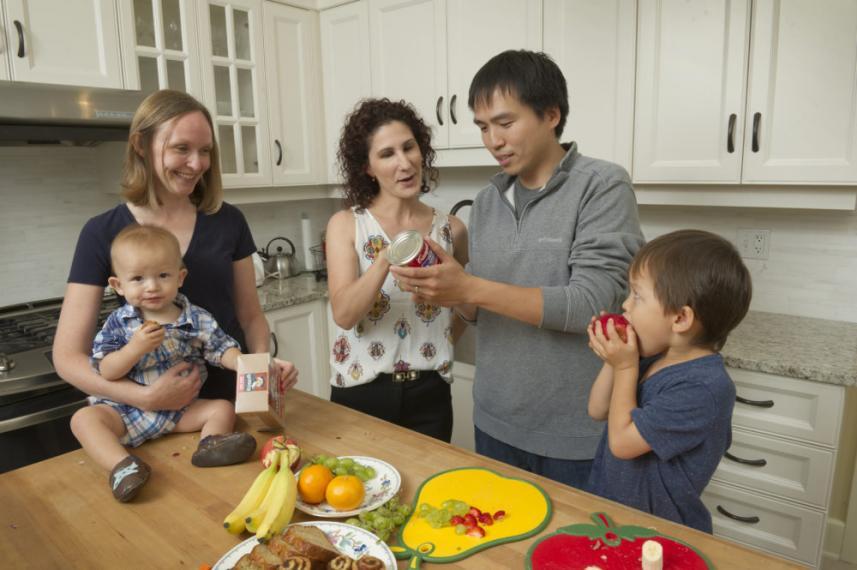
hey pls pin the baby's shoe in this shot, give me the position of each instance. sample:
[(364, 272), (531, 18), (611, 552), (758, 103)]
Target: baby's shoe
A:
[(128, 477), (224, 449)]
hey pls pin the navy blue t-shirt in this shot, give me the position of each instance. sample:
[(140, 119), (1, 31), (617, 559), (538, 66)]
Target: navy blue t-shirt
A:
[(685, 415), (218, 240)]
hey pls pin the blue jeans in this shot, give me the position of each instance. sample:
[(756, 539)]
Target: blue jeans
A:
[(572, 472)]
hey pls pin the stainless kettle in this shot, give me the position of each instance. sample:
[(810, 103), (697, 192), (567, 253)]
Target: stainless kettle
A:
[(280, 264)]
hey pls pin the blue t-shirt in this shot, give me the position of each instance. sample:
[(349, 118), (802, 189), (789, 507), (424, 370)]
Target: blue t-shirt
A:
[(685, 415), (218, 240)]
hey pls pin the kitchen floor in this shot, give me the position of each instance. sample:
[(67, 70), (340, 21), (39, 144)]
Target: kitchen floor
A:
[(829, 564)]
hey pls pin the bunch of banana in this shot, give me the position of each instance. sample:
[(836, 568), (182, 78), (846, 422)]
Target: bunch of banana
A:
[(255, 496), (279, 505)]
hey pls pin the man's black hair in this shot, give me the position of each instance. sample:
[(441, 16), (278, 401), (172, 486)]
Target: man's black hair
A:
[(532, 77)]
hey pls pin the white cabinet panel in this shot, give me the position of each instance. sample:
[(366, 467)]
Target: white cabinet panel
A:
[(300, 337), (5, 46), (601, 84)]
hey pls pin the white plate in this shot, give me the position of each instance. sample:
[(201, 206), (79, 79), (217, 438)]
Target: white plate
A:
[(379, 489), (347, 539)]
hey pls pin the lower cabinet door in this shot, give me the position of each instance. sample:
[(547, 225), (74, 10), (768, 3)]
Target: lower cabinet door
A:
[(778, 527), (300, 336)]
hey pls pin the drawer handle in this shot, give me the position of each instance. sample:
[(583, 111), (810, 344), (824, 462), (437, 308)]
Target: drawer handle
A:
[(276, 345), (750, 462), (757, 118), (757, 403), (452, 109), (437, 110), (730, 138), (20, 29), (280, 152), (725, 513)]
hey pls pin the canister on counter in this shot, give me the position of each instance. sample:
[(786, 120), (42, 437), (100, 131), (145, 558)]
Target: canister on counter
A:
[(409, 249)]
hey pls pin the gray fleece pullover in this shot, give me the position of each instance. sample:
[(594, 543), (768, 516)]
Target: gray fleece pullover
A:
[(575, 241)]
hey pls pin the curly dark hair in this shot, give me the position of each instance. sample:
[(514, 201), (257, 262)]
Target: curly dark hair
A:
[(353, 155)]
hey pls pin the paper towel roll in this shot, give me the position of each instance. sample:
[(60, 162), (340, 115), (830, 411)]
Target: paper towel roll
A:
[(308, 241)]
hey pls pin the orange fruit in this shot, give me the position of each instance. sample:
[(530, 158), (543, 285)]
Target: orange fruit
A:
[(312, 483), (345, 492)]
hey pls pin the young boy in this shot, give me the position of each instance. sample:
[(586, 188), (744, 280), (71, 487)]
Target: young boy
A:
[(665, 392), (156, 329)]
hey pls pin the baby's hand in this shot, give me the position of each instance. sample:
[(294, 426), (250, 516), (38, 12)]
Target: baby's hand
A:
[(147, 338), (611, 348)]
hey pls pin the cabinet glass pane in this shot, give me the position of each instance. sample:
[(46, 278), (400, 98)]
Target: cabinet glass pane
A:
[(218, 31), (148, 74), (175, 75), (248, 143), (245, 92), (172, 24), (242, 34), (226, 140), (222, 91), (144, 22)]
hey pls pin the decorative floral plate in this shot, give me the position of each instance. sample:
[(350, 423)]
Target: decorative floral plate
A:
[(347, 539), (379, 489)]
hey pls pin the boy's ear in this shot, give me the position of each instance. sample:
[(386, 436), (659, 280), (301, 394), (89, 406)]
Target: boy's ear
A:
[(683, 320), (116, 284), (182, 275)]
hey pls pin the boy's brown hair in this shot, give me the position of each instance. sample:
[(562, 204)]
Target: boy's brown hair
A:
[(702, 271), (147, 237)]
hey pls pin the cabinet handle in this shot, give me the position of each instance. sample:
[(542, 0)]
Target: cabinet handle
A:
[(280, 151), (452, 109), (757, 118), (437, 110), (20, 29), (749, 520), (730, 138), (276, 345), (750, 462), (757, 403)]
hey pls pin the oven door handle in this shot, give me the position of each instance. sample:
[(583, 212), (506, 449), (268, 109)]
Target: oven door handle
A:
[(41, 417)]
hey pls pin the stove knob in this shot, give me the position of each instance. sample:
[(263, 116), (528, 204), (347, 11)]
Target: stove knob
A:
[(6, 363)]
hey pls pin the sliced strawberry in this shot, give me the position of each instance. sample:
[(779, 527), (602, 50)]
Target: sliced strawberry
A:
[(456, 520), (476, 532), (469, 520), (486, 519), (499, 515), (474, 511)]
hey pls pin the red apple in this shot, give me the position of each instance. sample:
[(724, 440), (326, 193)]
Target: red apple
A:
[(619, 322), (283, 444)]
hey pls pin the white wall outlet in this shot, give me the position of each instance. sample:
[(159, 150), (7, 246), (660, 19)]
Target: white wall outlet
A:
[(754, 244)]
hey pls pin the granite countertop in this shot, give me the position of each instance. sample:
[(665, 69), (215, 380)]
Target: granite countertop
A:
[(797, 347), (276, 294)]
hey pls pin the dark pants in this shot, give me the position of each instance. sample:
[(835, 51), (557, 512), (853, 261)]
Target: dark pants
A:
[(569, 471), (423, 405)]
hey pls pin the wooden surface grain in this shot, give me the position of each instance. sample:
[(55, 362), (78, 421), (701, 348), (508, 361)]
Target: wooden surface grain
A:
[(60, 513)]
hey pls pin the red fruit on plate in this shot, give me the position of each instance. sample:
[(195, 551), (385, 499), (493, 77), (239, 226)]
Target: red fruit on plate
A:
[(456, 520), (499, 515), (469, 520), (486, 519), (283, 444), (619, 322), (476, 532), (475, 512)]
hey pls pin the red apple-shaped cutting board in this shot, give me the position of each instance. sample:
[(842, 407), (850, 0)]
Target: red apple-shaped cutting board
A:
[(527, 512), (607, 546)]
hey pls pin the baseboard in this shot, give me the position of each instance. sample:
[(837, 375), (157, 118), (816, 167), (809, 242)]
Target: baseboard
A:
[(833, 537)]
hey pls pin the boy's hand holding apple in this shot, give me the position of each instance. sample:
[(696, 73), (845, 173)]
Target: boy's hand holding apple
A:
[(613, 340)]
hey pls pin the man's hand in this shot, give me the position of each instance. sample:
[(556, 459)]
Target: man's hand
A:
[(175, 388), (445, 283), (286, 372), (620, 355)]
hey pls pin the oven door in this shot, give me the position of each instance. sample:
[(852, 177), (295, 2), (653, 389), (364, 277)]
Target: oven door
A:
[(35, 426)]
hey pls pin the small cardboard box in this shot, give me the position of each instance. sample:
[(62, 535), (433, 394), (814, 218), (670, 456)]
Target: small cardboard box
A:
[(257, 391)]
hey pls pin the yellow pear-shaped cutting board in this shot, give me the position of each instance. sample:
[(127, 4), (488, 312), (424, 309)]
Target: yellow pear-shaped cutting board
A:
[(527, 508)]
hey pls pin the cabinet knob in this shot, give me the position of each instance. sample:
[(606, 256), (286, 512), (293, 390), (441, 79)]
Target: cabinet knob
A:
[(437, 110), (20, 29)]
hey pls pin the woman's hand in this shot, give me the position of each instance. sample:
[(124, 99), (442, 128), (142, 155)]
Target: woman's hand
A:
[(175, 388), (287, 374), (611, 349)]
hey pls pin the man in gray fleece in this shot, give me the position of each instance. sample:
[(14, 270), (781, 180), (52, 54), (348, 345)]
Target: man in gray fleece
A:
[(551, 239)]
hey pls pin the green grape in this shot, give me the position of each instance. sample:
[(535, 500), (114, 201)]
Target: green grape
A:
[(355, 522), (425, 508), (398, 519), (392, 503), (340, 471), (330, 462), (460, 508), (447, 504), (460, 529), (370, 472), (347, 462), (361, 474), (383, 523), (405, 510), (383, 534), (445, 515)]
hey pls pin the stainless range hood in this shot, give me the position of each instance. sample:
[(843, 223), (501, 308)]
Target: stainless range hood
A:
[(33, 113)]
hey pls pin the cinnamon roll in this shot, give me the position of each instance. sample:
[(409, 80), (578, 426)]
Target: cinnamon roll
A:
[(368, 563), (341, 562)]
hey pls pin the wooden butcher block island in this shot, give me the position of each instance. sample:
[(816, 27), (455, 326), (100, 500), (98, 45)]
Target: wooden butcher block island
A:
[(60, 514)]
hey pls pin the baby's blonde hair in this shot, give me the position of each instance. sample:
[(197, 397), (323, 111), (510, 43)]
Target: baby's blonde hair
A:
[(145, 237)]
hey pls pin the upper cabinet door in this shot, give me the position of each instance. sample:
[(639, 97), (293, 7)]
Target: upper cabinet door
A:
[(294, 94), (160, 45), (409, 58), (801, 123), (689, 115), (233, 74), (345, 68), (6, 43), (72, 42), (477, 31), (600, 85)]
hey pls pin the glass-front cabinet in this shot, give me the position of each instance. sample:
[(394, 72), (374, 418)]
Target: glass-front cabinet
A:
[(233, 77)]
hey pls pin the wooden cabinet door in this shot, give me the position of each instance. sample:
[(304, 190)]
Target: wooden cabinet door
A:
[(477, 30), (801, 123), (294, 94), (409, 58), (601, 84), (301, 338), (73, 42), (690, 92), (345, 51)]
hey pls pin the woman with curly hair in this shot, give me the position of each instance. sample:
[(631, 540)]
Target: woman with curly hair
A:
[(392, 356)]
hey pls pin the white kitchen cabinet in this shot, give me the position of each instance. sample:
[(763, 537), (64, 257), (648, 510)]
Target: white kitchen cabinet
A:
[(73, 42), (427, 52), (345, 70), (4, 46), (160, 47), (233, 79), (772, 490), (721, 101), (294, 94), (601, 82), (300, 336)]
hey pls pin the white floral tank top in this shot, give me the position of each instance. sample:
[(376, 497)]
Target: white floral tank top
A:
[(396, 334)]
